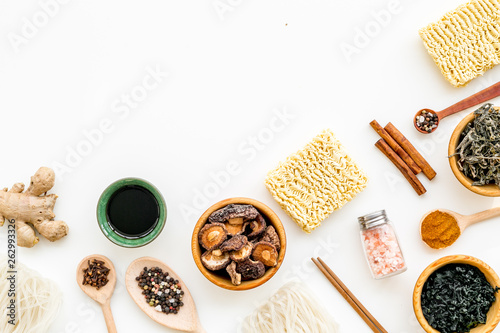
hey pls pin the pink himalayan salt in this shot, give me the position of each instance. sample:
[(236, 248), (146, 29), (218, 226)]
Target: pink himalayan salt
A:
[(382, 250)]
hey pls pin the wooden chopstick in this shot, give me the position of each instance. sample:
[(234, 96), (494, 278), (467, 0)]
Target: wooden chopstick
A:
[(349, 297)]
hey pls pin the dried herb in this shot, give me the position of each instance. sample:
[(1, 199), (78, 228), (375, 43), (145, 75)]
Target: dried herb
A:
[(479, 147), (456, 298)]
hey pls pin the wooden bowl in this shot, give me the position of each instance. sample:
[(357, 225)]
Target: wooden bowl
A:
[(222, 279), (493, 315), (490, 190)]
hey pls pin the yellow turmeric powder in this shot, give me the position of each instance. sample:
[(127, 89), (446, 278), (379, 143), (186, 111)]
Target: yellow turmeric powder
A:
[(439, 230)]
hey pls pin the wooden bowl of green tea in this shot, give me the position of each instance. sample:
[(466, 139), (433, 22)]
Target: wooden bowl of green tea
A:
[(489, 190), (450, 263)]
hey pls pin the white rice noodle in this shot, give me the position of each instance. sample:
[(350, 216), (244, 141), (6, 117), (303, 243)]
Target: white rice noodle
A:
[(290, 309), (38, 301)]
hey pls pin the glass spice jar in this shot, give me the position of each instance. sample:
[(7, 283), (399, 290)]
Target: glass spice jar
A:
[(381, 245)]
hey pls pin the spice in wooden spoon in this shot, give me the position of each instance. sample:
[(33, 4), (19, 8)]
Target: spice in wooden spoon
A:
[(441, 228), (99, 291), (426, 120), (185, 320)]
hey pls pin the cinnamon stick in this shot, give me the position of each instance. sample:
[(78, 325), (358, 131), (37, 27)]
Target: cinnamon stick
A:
[(396, 147), (408, 147), (401, 165)]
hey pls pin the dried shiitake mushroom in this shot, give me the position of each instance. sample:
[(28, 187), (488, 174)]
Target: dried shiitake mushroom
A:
[(243, 253), (234, 214), (250, 270), (234, 244), (234, 229), (266, 253), (235, 276), (212, 235), (272, 237), (214, 262), (257, 226)]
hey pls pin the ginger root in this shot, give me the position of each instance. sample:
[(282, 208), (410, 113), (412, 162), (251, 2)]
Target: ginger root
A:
[(31, 210)]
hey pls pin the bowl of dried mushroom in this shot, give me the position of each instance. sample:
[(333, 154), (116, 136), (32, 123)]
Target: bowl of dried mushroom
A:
[(238, 243), (474, 151)]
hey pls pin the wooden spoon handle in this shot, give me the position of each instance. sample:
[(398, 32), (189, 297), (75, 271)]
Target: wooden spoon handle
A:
[(484, 215), (478, 98), (108, 317)]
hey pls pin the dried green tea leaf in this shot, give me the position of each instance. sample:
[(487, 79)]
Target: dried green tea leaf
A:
[(479, 147)]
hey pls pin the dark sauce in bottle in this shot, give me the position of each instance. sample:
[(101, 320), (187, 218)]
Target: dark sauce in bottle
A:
[(132, 212)]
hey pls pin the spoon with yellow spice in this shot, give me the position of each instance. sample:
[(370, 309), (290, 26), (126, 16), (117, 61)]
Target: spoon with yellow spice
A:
[(441, 227)]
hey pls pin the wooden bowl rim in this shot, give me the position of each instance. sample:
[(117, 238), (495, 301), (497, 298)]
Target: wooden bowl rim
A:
[(216, 279), (488, 272), (485, 190)]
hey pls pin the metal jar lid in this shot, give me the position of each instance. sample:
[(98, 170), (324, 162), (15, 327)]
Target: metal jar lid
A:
[(373, 219)]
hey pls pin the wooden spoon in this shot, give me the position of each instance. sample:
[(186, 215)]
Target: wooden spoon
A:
[(478, 98), (463, 221), (103, 295), (186, 320)]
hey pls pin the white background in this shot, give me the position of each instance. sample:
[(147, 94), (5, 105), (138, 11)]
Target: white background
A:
[(228, 73)]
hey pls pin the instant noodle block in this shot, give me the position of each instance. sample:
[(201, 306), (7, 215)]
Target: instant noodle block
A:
[(316, 181), (465, 42)]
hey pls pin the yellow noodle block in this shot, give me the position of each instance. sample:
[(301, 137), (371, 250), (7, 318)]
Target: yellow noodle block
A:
[(316, 181), (465, 42)]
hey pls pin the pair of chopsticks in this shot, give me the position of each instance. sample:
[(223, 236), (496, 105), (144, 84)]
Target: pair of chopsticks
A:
[(349, 297)]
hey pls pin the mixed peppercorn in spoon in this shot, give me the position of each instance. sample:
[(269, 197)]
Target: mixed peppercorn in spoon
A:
[(160, 290)]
